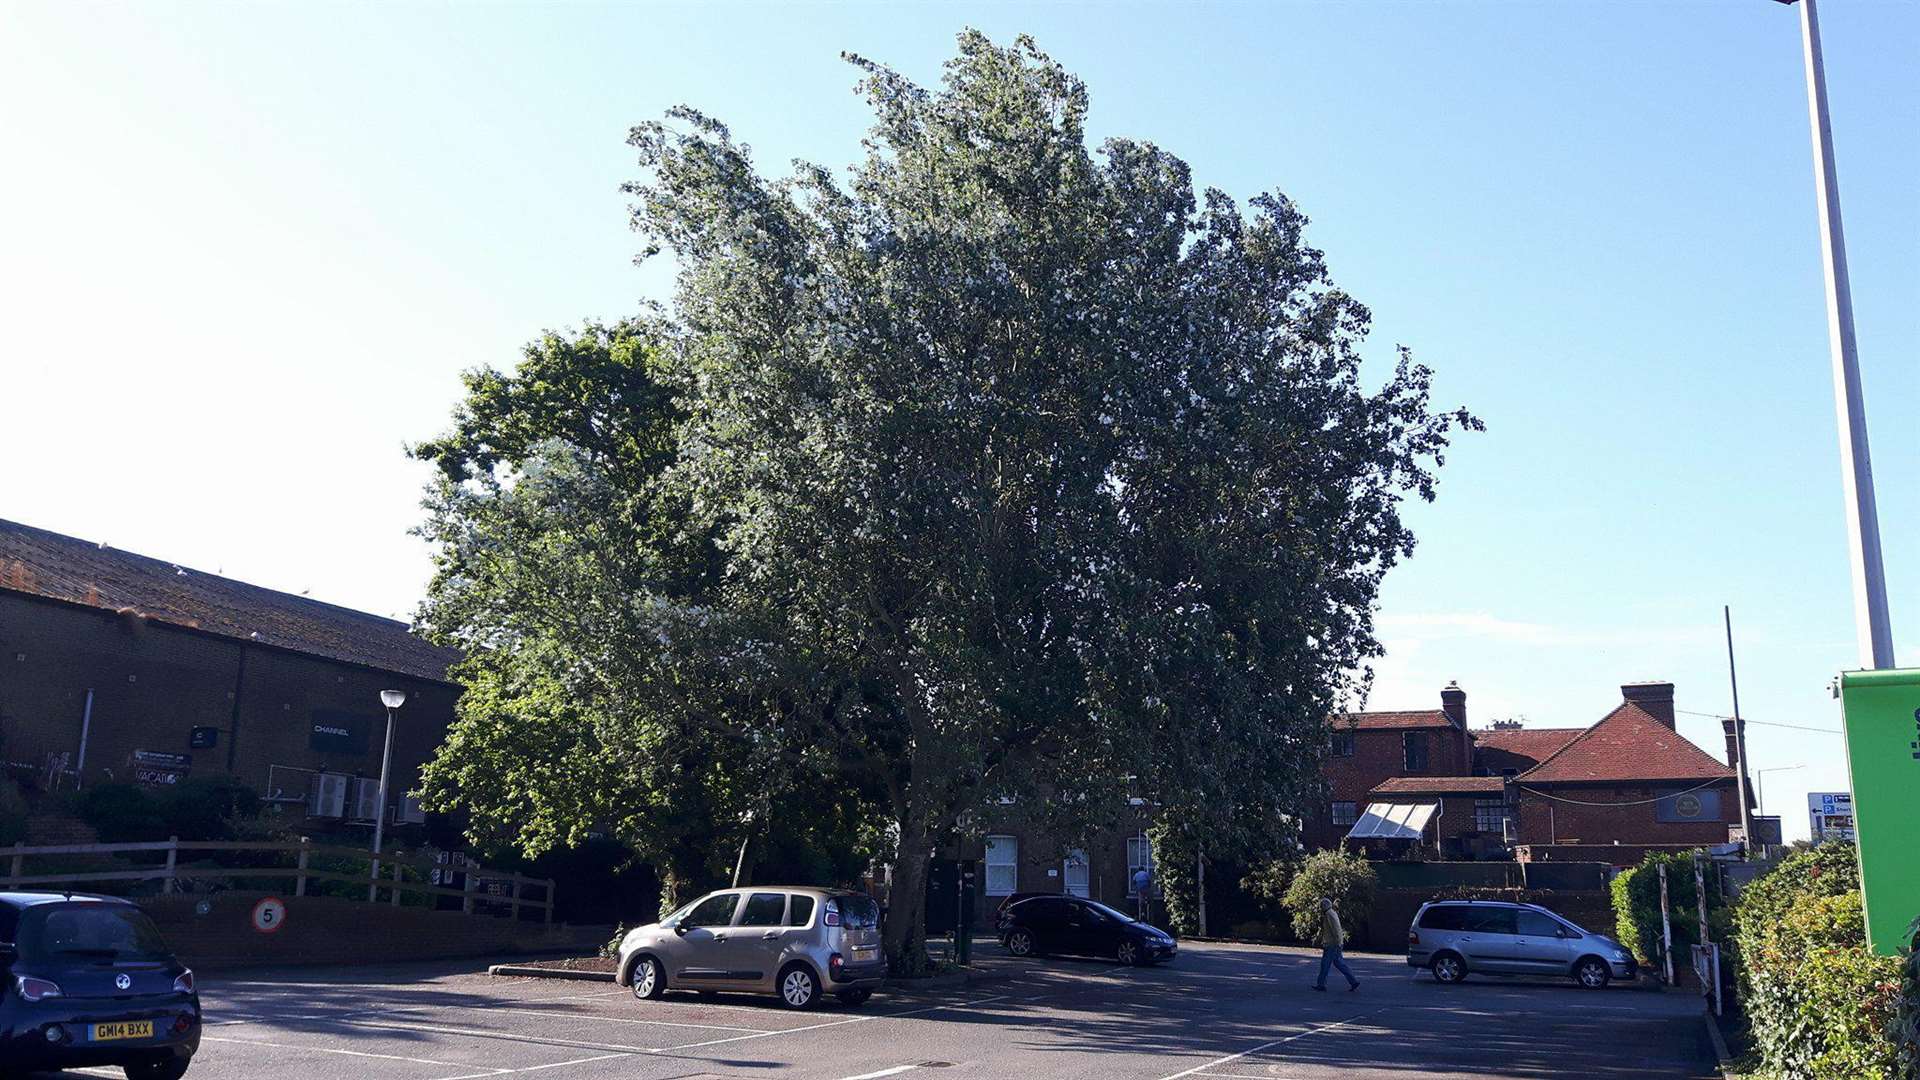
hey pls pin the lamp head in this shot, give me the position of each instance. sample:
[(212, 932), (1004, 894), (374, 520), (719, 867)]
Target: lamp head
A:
[(393, 699)]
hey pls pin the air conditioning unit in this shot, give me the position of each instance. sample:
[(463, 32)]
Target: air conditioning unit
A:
[(411, 812), (366, 799), (328, 796)]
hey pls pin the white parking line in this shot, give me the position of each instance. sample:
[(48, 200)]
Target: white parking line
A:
[(351, 1053), (534, 1068), (895, 1071), (1275, 1042), (837, 1023)]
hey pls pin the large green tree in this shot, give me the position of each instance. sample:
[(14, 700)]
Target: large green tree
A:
[(1022, 468)]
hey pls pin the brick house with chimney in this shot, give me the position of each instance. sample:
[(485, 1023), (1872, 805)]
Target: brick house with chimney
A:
[(1630, 779)]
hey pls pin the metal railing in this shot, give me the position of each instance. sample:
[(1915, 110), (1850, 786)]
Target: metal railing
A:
[(480, 887)]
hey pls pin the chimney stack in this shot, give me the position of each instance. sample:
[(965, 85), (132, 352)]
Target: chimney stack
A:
[(1506, 725), (1453, 702), (1654, 698)]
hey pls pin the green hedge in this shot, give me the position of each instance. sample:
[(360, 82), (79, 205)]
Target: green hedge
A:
[(1342, 876), (1636, 908), (1821, 1005)]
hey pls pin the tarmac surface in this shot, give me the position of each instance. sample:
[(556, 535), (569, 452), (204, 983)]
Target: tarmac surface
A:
[(1230, 1012)]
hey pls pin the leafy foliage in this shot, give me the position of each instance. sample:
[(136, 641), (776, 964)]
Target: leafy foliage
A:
[(13, 813), (207, 808), (1344, 877), (998, 467), (1821, 1004), (1636, 908)]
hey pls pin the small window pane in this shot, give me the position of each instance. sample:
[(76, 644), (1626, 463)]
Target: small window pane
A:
[(1442, 918), (713, 911), (1415, 745), (801, 910), (764, 909), (1343, 744), (1345, 813)]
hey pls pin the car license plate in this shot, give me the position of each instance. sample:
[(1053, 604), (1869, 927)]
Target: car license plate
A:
[(122, 1029), (865, 952)]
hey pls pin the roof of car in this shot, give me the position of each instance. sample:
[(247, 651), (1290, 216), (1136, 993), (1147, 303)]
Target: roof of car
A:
[(24, 899)]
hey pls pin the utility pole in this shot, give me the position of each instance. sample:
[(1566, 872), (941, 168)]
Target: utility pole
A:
[(1739, 739), (1871, 626)]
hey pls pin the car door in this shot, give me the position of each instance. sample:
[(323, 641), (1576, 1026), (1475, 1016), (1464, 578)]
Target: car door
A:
[(696, 955), (1489, 942), (1541, 943), (758, 938), (1083, 930), (1046, 917)]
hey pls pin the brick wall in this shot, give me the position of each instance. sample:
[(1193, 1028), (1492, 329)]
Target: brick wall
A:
[(153, 683), (330, 930), (1380, 755), (1633, 818)]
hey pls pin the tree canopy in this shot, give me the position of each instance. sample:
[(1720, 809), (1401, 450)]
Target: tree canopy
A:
[(998, 467)]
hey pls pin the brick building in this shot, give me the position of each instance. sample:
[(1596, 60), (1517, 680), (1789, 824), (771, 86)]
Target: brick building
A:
[(1370, 748), (118, 667)]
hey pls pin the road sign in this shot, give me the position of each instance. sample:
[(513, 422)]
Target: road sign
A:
[(1881, 711), (269, 915), (1830, 815)]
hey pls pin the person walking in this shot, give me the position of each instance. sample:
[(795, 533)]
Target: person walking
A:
[(1332, 937)]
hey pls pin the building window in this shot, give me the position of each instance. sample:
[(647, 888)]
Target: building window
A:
[(1346, 813), (1414, 743), (1003, 865), (1343, 744), (1489, 815), (1076, 881), (1139, 858)]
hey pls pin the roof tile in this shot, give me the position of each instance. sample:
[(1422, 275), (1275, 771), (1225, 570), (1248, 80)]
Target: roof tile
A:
[(1628, 744)]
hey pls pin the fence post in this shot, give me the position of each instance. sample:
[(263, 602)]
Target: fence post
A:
[(516, 896), (1666, 928), (19, 862), (466, 886), (549, 901), (173, 861), (300, 879), (396, 885)]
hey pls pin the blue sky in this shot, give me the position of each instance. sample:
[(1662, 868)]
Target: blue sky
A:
[(247, 249)]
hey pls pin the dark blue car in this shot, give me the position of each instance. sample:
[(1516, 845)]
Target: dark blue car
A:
[(87, 981)]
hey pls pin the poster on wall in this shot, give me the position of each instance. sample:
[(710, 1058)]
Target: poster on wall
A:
[(337, 732), (159, 768)]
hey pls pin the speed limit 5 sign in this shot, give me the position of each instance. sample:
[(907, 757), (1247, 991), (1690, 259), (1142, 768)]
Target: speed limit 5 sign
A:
[(270, 914)]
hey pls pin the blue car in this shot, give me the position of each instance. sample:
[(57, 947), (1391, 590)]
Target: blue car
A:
[(87, 981)]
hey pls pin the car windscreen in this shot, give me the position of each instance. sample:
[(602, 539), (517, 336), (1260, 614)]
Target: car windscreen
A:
[(102, 931), (1117, 916), (858, 912)]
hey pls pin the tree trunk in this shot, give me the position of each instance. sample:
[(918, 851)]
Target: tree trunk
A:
[(906, 929)]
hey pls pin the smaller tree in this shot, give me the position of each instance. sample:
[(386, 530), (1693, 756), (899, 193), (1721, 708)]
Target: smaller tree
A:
[(1341, 876)]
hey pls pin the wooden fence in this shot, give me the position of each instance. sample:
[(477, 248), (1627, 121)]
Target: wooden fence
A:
[(384, 871)]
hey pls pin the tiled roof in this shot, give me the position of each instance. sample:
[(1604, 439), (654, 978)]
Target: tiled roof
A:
[(1539, 744), (1627, 744), (1368, 721), (1441, 785), (49, 564)]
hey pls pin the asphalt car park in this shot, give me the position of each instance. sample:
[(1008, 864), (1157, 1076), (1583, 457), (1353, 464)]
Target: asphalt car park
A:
[(1218, 1011)]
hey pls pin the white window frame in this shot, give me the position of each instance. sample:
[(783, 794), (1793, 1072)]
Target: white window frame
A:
[(1139, 857), (1480, 809), (1002, 855), (1076, 874)]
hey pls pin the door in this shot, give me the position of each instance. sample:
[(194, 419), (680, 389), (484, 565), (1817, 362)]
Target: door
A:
[(1490, 942), (695, 953), (1083, 930), (1074, 874), (1541, 944), (754, 946), (1046, 918)]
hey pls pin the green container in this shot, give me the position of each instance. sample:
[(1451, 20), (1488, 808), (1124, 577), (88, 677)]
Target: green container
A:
[(1881, 712)]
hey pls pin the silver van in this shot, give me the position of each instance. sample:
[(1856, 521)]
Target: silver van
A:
[(793, 941), (1491, 937)]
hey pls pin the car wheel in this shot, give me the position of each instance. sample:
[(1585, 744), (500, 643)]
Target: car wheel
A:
[(1127, 953), (1020, 943), (1592, 973), (648, 978), (172, 1068), (798, 987), (1449, 968), (854, 997)]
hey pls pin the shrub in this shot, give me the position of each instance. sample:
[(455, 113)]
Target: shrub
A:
[(1821, 1005), (1339, 875), (1636, 908), (208, 808), (122, 814), (611, 949), (1906, 1024)]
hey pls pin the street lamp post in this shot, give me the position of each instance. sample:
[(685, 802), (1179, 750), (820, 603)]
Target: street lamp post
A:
[(1760, 784), (392, 699), (1871, 625)]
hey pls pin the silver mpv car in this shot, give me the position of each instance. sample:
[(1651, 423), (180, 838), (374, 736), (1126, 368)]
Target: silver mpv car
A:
[(1453, 937), (793, 941)]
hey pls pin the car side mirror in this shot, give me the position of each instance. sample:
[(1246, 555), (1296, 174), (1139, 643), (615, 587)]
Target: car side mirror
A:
[(9, 952), (1563, 932), (681, 928)]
